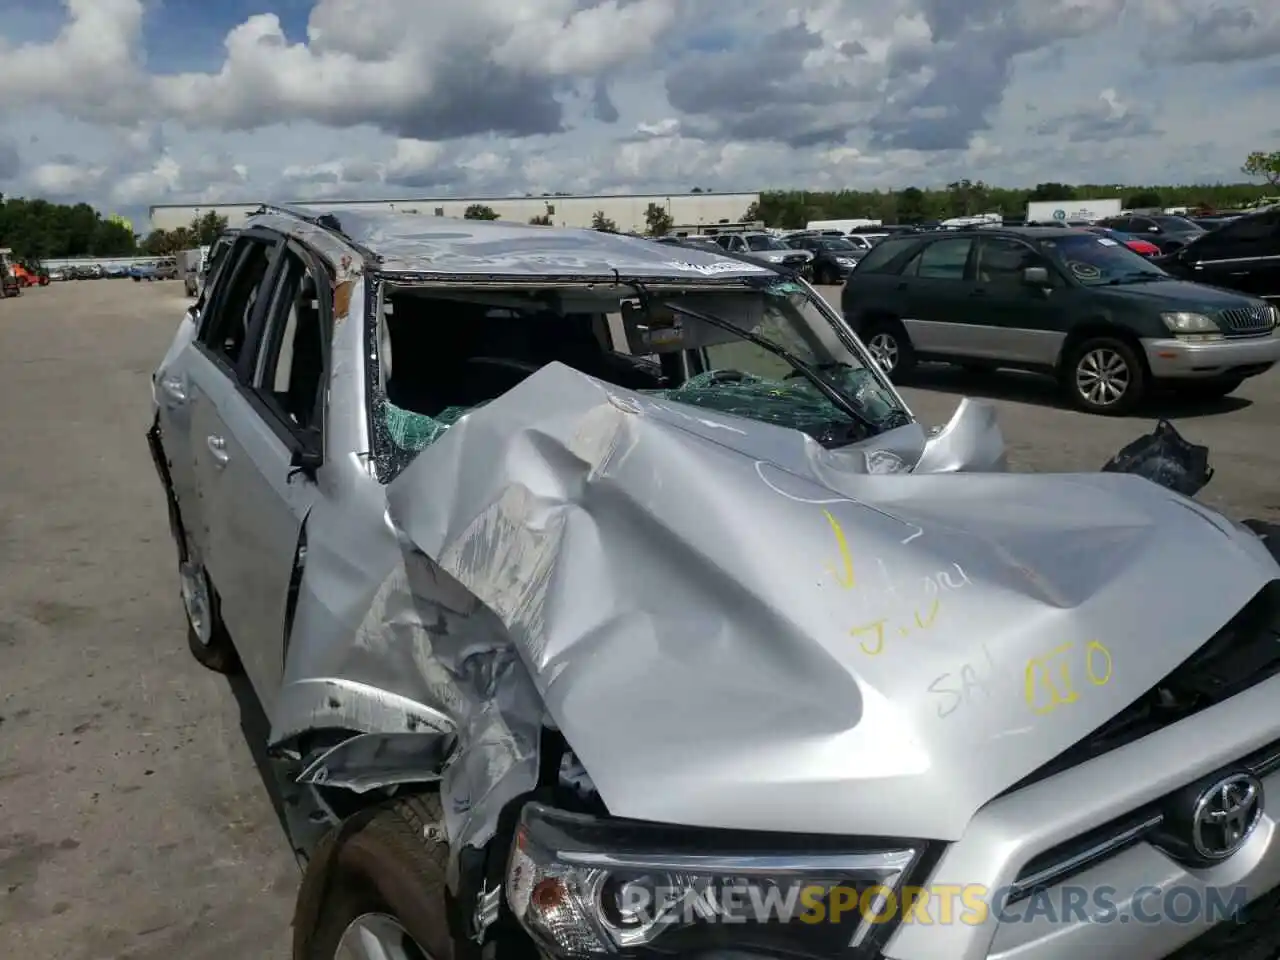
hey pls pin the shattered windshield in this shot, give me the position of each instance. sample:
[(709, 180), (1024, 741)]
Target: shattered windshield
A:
[(776, 369), (765, 351)]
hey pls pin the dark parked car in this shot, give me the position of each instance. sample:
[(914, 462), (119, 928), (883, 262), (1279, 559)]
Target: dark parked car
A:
[(1167, 232), (1105, 321), (1242, 255), (833, 257)]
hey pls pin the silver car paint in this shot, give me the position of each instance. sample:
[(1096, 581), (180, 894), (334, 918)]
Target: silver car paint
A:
[(669, 588)]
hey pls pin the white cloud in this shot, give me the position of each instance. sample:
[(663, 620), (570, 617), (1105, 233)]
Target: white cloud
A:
[(496, 97)]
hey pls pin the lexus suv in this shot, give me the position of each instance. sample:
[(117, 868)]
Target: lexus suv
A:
[(609, 603), (1108, 324)]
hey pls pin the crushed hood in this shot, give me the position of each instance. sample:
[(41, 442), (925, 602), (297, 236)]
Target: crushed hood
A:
[(735, 627)]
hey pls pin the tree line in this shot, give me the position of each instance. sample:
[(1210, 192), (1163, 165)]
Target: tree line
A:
[(38, 229), (792, 209)]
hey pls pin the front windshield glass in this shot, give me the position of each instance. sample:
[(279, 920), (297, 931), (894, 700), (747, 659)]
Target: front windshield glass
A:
[(760, 242), (1099, 261), (765, 351), (836, 244), (1179, 224), (767, 381)]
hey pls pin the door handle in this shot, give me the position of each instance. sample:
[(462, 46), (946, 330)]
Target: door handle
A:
[(978, 292), (174, 389), (218, 447)]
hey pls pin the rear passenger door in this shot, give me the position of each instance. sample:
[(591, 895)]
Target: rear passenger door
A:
[(938, 288), (259, 498)]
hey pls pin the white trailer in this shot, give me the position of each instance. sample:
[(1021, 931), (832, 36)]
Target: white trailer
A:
[(844, 226), (1049, 211)]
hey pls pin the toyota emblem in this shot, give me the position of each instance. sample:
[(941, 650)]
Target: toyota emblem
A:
[(1225, 815)]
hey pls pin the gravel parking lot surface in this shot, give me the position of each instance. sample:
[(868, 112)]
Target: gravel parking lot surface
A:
[(133, 821)]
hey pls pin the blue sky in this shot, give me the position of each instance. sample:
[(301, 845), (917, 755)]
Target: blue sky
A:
[(124, 103)]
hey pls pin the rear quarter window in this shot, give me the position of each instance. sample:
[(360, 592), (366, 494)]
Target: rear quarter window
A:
[(885, 256)]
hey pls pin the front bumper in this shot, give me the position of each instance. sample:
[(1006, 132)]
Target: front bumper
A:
[(1013, 830), (1234, 357)]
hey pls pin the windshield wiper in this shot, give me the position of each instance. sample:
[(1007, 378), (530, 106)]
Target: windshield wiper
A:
[(1135, 278), (838, 399)]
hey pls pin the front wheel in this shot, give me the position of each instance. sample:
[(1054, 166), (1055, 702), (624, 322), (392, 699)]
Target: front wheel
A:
[(207, 636), (1105, 376), (376, 888), (890, 347)]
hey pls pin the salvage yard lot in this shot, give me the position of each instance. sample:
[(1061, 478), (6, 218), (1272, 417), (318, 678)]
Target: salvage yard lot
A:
[(133, 822)]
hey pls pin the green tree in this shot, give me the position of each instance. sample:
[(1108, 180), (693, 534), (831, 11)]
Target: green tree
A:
[(657, 220), (165, 243), (912, 205), (1051, 191), (602, 223), (541, 220), (1264, 166), (478, 211), (36, 230), (205, 229), (967, 197), (1143, 200)]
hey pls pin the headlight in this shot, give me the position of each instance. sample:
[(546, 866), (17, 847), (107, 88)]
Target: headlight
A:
[(1195, 325), (846, 261), (584, 887)]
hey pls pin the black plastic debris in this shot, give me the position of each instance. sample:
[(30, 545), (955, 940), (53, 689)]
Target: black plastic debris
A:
[(1163, 456)]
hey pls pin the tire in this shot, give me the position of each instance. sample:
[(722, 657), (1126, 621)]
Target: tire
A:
[(889, 344), (383, 864), (207, 636), (1208, 389), (1098, 367)]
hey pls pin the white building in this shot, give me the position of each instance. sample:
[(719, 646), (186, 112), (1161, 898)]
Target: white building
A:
[(566, 211)]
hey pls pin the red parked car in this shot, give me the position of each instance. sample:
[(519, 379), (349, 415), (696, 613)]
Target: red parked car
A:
[(1136, 244)]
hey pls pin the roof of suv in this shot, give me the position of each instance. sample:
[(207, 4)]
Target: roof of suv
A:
[(416, 244), (1027, 233)]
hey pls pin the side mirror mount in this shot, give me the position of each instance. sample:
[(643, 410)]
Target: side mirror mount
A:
[(1036, 276), (308, 455)]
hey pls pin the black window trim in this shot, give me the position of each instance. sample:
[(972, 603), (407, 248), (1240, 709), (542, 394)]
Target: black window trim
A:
[(238, 372), (1039, 252), (263, 403)]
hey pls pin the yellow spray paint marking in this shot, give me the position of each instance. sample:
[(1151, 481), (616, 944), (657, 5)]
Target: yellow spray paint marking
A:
[(926, 621), (1047, 682), (877, 645), (845, 578)]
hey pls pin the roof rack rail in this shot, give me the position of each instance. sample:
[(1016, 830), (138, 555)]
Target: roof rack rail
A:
[(325, 221)]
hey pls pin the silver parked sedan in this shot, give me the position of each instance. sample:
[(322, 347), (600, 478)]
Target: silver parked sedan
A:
[(606, 599)]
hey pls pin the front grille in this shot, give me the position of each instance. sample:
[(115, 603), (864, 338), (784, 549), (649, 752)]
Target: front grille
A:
[(1247, 320), (1255, 935), (1059, 864), (1242, 654)]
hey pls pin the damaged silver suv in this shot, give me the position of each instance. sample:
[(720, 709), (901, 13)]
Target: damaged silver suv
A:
[(605, 599)]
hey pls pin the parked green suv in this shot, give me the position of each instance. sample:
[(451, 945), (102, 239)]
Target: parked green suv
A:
[(1106, 322)]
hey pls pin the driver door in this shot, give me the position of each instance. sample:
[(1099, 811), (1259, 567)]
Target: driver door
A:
[(1014, 321)]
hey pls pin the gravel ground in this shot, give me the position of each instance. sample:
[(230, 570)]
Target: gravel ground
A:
[(133, 821)]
